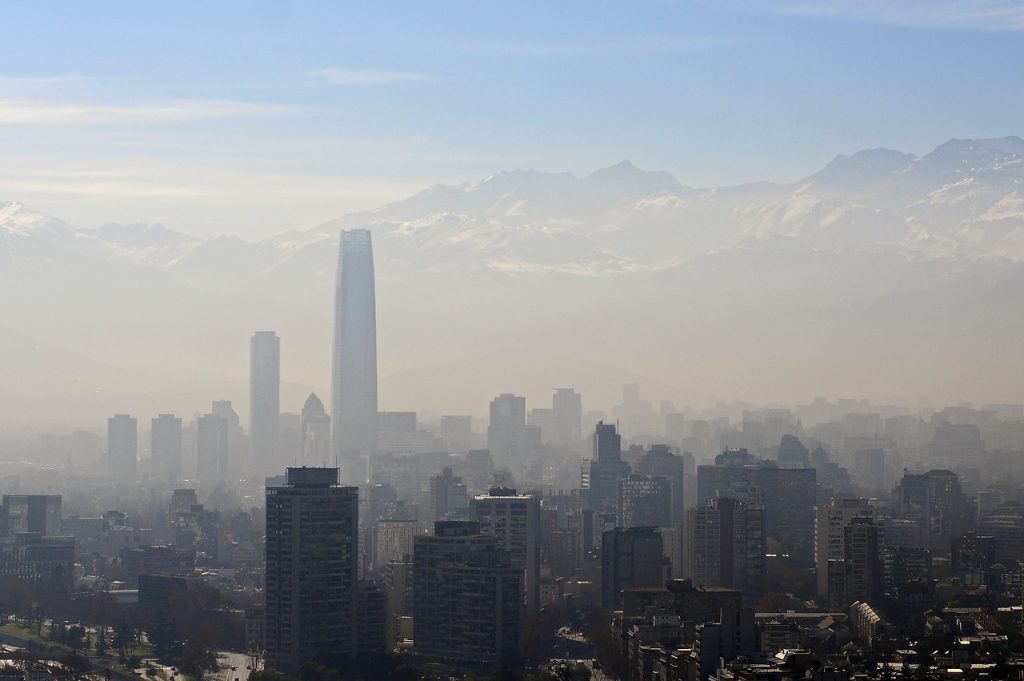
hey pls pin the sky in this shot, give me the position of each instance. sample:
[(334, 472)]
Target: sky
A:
[(256, 117)]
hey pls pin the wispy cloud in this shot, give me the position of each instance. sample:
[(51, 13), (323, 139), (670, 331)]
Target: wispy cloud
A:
[(346, 77), (29, 111), (976, 15)]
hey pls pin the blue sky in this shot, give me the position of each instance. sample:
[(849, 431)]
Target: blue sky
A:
[(254, 117)]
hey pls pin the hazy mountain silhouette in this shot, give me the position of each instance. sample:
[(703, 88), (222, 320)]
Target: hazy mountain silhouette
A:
[(713, 290)]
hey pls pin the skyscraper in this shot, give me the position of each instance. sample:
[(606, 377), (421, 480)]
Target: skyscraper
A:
[(212, 447), (264, 402), (606, 469), (566, 419), (166, 447), (726, 542), (467, 597), (515, 520), (311, 572), (122, 446), (354, 379)]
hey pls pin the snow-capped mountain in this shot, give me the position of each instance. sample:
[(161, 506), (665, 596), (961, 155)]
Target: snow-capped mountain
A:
[(850, 268)]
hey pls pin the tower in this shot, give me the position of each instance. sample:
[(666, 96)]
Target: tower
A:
[(264, 402), (122, 446), (311, 572), (165, 448), (354, 379)]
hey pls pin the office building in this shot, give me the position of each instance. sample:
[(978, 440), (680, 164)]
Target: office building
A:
[(566, 420), (630, 558), (449, 499), (457, 433), (354, 377), (122, 447), (165, 448), (264, 404), (311, 571), (212, 450), (467, 598), (37, 513), (659, 461), (789, 497), (606, 469), (237, 446), (937, 503), (644, 501), (956, 446), (514, 519), (509, 439)]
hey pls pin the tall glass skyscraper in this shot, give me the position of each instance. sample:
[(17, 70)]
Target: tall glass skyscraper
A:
[(354, 380)]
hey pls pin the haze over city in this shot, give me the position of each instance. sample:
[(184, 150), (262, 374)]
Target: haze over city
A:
[(546, 341)]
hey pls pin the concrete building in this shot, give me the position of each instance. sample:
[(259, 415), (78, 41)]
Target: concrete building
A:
[(829, 525), (514, 519), (449, 499), (605, 470), (659, 461), (630, 558), (122, 447), (264, 404), (726, 543), (789, 497), (467, 598), (644, 501), (212, 450), (165, 448), (311, 571), (457, 433), (509, 438)]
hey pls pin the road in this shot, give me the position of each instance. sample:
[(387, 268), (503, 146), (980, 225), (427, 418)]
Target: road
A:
[(228, 660)]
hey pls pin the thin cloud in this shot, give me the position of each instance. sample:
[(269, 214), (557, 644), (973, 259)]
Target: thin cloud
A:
[(17, 112), (347, 77), (975, 15)]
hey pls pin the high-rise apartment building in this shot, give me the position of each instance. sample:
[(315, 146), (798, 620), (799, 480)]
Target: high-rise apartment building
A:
[(726, 542), (165, 448), (212, 450), (311, 569), (354, 374), (829, 525), (264, 403), (936, 501), (122, 446), (514, 519), (467, 597)]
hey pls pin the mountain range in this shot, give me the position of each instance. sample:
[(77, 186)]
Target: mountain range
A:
[(884, 275)]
